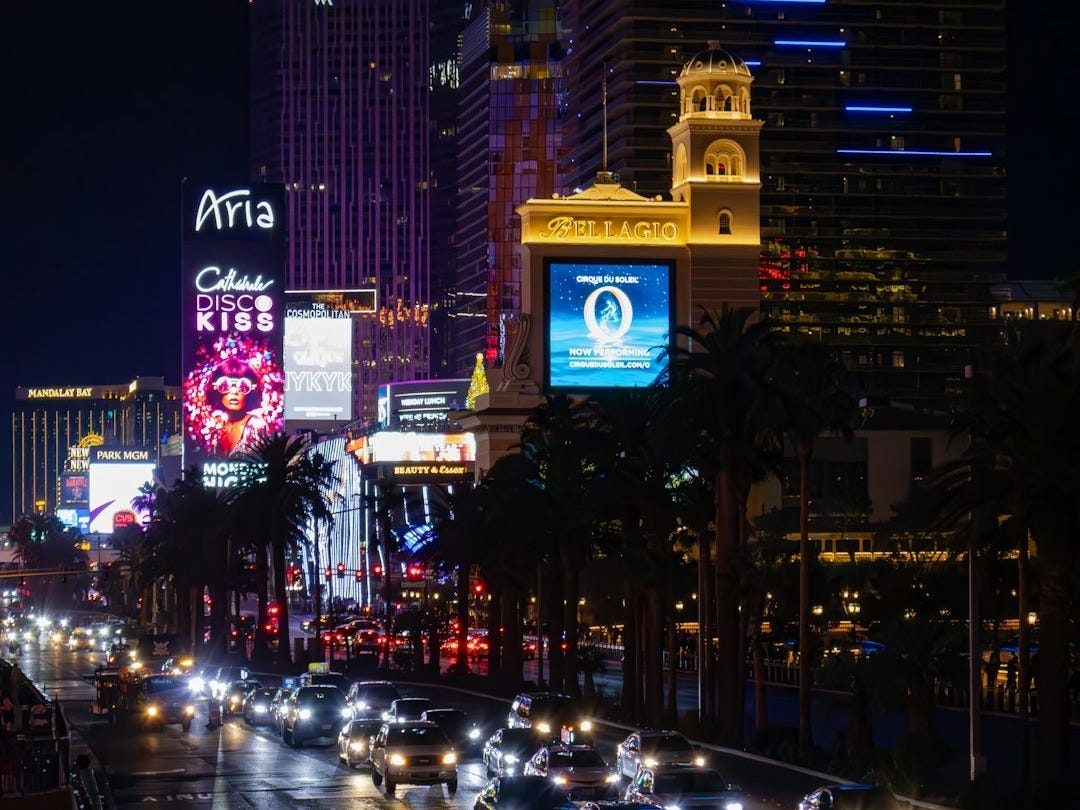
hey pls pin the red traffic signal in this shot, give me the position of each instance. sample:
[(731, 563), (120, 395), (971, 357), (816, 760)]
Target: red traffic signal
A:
[(359, 574), (328, 573), (415, 572), (274, 609), (341, 569), (376, 571), (478, 587)]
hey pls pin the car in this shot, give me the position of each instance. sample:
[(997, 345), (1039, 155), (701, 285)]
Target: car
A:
[(233, 695), (201, 676), (404, 710), (223, 676), (165, 699), (278, 704), (337, 679), (520, 793), (175, 665), (683, 786), (120, 655), (549, 714), (462, 732), (655, 748), (314, 713), (849, 797), (371, 698), (507, 750), (257, 706), (354, 741), (79, 639), (415, 753), (579, 769)]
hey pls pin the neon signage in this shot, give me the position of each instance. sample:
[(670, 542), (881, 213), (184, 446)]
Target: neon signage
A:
[(572, 229), (233, 209), (59, 393)]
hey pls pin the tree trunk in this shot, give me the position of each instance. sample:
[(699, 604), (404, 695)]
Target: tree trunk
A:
[(556, 659), (806, 736), (281, 597), (653, 647), (706, 676), (494, 634), (260, 654), (631, 673), (511, 636), (1050, 673), (461, 655), (728, 665), (571, 686), (1024, 668)]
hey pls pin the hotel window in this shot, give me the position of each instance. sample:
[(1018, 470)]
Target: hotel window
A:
[(725, 222)]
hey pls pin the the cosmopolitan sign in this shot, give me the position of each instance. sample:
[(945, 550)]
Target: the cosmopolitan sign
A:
[(233, 313)]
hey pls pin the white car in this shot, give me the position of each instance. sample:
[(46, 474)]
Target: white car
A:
[(685, 787), (652, 748), (579, 769), (412, 753)]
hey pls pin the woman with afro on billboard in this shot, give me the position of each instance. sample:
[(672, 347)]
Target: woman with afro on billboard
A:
[(235, 399)]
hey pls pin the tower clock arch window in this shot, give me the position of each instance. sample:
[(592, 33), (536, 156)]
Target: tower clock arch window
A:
[(724, 158), (724, 222)]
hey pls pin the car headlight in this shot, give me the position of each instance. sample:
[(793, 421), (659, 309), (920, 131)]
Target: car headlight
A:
[(545, 728), (346, 713), (197, 684), (397, 759), (699, 761), (732, 805), (357, 746), (151, 711), (304, 714), (474, 734), (362, 706), (650, 762), (260, 709), (611, 777), (189, 709), (449, 759), (559, 779), (586, 725)]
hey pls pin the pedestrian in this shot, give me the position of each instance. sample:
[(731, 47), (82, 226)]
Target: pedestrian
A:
[(7, 714), (993, 664), (1011, 670)]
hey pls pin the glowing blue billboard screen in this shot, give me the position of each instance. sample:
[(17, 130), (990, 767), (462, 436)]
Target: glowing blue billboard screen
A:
[(609, 322)]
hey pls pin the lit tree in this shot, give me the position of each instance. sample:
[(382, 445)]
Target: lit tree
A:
[(478, 385)]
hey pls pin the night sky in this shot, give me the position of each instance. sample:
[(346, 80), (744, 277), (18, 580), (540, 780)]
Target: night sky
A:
[(110, 103)]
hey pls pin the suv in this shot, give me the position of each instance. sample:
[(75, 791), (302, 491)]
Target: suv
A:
[(164, 699), (413, 753), (314, 712), (371, 699), (552, 715)]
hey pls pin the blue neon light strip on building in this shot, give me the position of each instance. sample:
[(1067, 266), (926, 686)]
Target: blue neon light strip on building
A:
[(753, 62), (917, 152), (812, 43), (870, 108)]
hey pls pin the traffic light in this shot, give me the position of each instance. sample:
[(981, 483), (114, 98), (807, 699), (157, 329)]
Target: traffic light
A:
[(328, 573), (478, 587), (273, 609), (359, 574), (415, 572), (341, 569), (376, 571)]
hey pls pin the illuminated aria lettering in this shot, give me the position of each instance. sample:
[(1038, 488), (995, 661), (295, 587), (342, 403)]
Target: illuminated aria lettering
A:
[(232, 209)]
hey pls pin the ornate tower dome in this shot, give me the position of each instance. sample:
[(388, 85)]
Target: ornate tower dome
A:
[(715, 84)]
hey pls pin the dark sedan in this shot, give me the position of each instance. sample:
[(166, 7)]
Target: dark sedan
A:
[(257, 707), (232, 696), (507, 750), (521, 793)]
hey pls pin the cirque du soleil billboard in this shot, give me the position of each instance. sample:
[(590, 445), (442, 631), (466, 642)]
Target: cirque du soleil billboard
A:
[(233, 312), (609, 322)]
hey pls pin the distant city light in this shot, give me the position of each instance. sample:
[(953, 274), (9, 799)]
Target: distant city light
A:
[(871, 108), (919, 152), (811, 43)]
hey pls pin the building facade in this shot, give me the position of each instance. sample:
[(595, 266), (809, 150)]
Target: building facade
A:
[(53, 428), (883, 209), (340, 99)]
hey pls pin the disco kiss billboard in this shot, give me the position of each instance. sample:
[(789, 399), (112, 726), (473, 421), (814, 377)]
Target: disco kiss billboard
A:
[(233, 322)]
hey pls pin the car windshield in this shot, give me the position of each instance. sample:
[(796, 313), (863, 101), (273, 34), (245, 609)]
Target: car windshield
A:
[(320, 697), (668, 744), (377, 694), (531, 792), (364, 728), (411, 707), (447, 719), (331, 679), (158, 684), (552, 707), (586, 757), (519, 738), (413, 735), (689, 782)]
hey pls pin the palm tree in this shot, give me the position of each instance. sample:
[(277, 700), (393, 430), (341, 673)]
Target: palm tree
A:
[(561, 439), (809, 379), (286, 487), (718, 381), (1020, 461)]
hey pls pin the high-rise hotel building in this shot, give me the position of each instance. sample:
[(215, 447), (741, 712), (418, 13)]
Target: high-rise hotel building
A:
[(340, 98), (508, 149), (53, 427), (883, 206)]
